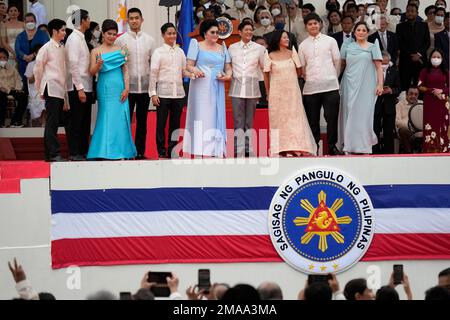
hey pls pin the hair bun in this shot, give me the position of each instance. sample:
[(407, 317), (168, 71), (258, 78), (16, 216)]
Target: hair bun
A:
[(108, 25)]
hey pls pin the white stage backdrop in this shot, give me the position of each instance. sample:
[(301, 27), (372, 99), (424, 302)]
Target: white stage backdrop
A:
[(25, 222)]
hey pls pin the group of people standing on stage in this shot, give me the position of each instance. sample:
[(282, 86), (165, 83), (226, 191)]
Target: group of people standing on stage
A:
[(351, 75), (395, 51), (128, 70), (294, 120)]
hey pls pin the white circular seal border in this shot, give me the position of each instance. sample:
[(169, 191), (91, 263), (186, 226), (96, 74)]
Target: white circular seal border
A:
[(290, 256), (230, 31)]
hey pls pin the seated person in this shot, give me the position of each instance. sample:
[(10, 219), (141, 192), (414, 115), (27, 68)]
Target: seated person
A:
[(11, 85), (402, 118)]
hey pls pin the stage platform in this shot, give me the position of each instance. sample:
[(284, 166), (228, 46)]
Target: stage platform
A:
[(28, 143), (117, 220)]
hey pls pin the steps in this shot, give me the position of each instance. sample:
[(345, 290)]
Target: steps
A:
[(33, 148), (12, 172)]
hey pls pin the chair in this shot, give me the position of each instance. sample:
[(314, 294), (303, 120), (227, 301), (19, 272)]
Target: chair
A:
[(415, 124)]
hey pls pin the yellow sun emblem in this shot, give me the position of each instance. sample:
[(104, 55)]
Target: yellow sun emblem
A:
[(121, 14), (322, 221)]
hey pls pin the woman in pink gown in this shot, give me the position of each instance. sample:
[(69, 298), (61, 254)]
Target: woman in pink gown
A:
[(290, 133)]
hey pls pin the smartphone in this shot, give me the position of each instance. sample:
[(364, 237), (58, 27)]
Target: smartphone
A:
[(313, 278), (158, 277), (204, 280), (398, 274), (161, 289), (126, 296)]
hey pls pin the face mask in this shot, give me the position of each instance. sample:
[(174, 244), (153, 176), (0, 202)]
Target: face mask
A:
[(265, 22), (436, 62), (239, 4), (252, 6), (97, 34), (3, 64), (280, 26), (30, 26), (441, 6), (439, 20), (385, 67), (276, 12), (200, 15)]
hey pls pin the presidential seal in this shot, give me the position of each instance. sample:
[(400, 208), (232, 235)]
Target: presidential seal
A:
[(225, 28), (321, 221)]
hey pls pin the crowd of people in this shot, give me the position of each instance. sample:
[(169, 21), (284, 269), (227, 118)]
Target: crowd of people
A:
[(364, 65), (314, 290)]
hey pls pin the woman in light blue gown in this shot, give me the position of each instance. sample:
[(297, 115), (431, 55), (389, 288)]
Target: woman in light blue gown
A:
[(361, 85), (210, 66), (112, 139)]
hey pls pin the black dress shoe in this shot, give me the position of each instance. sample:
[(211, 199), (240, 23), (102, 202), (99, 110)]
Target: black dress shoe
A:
[(335, 152), (77, 158), (57, 159), (141, 157)]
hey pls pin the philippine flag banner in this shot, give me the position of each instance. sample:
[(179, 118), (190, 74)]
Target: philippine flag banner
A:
[(226, 225), (121, 18)]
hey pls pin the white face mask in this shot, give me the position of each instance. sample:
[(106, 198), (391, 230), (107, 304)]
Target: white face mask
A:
[(265, 22), (439, 20), (441, 6), (276, 12), (436, 62), (200, 15), (97, 34), (30, 26), (3, 64), (385, 67), (239, 4)]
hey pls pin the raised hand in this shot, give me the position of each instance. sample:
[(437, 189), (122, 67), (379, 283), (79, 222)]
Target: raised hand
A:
[(173, 283), (17, 271), (194, 294), (145, 284)]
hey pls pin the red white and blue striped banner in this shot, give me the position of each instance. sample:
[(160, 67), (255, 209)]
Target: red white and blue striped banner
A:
[(226, 225)]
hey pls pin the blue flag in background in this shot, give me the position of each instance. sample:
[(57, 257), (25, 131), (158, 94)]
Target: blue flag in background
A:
[(185, 24)]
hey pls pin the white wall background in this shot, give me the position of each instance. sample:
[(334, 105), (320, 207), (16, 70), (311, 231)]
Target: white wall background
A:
[(25, 222)]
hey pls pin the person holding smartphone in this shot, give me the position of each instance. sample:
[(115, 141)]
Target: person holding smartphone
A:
[(330, 280), (402, 279), (173, 283)]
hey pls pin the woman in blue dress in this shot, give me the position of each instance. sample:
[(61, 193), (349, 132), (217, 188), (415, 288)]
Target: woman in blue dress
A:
[(361, 85), (210, 66), (112, 138)]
